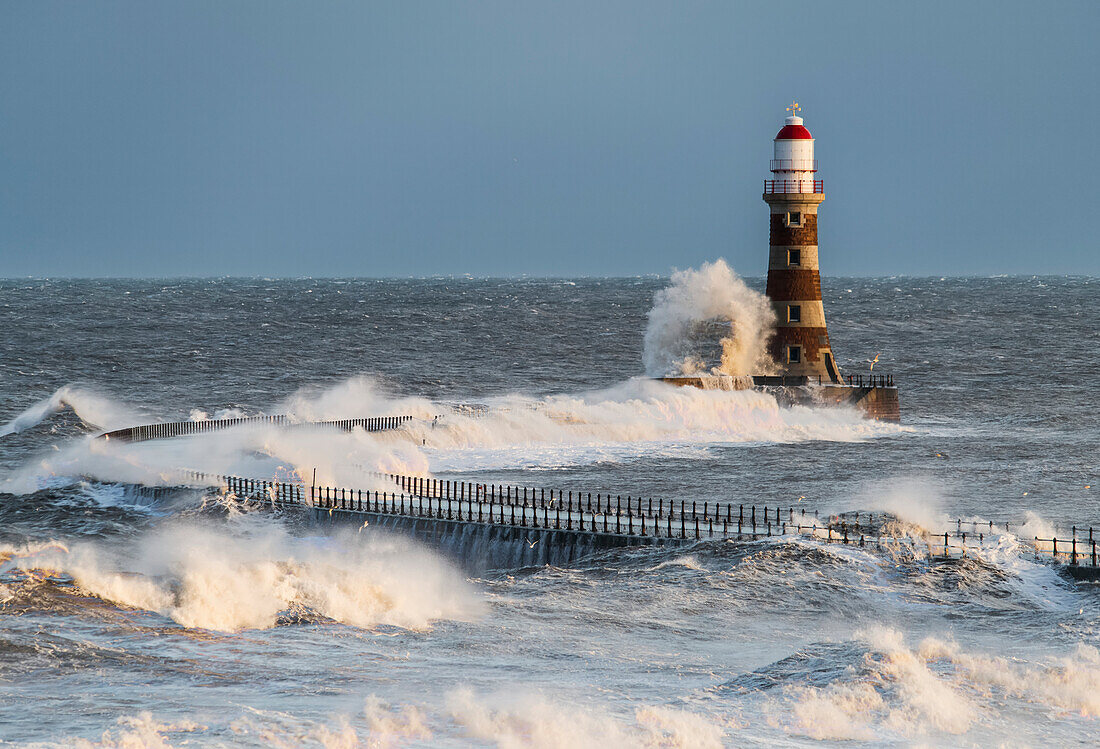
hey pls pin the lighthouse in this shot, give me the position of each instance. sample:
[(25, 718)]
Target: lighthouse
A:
[(808, 374), (793, 193)]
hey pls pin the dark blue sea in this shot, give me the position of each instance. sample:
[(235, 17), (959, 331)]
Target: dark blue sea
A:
[(137, 618)]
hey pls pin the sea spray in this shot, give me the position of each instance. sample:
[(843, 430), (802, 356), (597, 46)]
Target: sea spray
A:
[(571, 428), (255, 450), (520, 718), (711, 293), (897, 690), (247, 574), (529, 719), (915, 500), (355, 397), (379, 725), (95, 410)]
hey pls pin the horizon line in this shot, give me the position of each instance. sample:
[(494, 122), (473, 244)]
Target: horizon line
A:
[(520, 277)]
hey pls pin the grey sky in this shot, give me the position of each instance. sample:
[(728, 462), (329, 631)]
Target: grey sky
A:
[(548, 138)]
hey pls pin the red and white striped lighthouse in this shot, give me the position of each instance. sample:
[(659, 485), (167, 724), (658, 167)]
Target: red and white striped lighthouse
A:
[(794, 192)]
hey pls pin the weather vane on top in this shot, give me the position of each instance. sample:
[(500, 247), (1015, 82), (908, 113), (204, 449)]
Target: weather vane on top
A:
[(794, 108)]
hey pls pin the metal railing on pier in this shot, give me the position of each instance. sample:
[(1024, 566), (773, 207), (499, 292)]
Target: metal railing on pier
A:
[(870, 380), (419, 497), (169, 429)]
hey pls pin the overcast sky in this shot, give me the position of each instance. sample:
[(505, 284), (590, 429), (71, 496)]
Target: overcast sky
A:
[(542, 138)]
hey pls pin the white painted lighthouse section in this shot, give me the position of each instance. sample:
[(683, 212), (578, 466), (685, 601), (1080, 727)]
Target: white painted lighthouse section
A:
[(793, 163), (798, 150)]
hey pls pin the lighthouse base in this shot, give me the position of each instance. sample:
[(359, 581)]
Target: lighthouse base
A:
[(876, 400)]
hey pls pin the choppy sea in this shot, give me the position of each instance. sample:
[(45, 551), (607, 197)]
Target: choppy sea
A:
[(132, 618)]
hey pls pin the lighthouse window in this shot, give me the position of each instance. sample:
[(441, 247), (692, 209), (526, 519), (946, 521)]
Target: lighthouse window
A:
[(794, 219), (794, 257), (794, 313), (794, 354)]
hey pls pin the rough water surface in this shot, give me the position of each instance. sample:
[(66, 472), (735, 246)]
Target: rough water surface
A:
[(134, 617)]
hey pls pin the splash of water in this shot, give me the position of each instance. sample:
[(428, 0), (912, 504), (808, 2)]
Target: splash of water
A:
[(906, 691), (246, 577), (141, 730), (713, 292), (533, 720), (918, 501), (355, 397), (92, 408), (575, 429), (526, 719)]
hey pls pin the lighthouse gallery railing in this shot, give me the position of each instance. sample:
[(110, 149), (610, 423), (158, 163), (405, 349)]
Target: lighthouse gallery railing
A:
[(788, 186)]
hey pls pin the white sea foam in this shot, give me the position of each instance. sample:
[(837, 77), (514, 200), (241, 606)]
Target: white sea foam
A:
[(141, 731), (379, 725), (935, 688), (356, 397), (197, 414), (696, 297), (93, 409), (1033, 579), (519, 720), (641, 410), (625, 421), (536, 721), (918, 501), (245, 576), (257, 450)]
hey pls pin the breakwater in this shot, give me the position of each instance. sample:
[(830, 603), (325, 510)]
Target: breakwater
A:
[(169, 429), (876, 396), (572, 523), (469, 517)]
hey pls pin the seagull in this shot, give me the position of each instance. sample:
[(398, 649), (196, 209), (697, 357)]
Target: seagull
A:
[(873, 362), (530, 543), (364, 525)]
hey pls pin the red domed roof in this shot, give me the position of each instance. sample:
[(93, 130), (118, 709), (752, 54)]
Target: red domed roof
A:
[(794, 132)]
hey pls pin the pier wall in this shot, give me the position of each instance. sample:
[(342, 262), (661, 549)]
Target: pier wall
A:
[(468, 520), (480, 547), (876, 396)]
